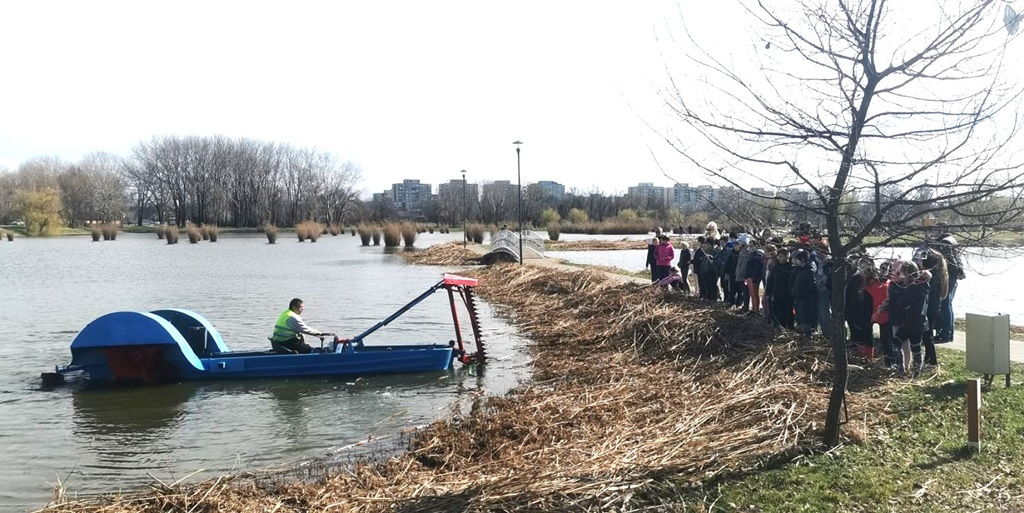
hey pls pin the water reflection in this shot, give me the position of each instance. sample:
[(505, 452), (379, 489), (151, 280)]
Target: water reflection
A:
[(136, 412)]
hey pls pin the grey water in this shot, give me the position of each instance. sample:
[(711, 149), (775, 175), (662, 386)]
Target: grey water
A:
[(105, 440), (990, 287)]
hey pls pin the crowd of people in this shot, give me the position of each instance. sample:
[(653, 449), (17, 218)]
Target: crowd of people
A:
[(789, 283)]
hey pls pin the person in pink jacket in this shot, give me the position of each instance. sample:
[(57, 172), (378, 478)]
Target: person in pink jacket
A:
[(664, 253)]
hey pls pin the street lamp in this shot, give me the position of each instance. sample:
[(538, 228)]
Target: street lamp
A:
[(519, 176), (465, 236)]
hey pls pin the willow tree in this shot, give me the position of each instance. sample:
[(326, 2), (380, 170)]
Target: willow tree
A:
[(886, 112)]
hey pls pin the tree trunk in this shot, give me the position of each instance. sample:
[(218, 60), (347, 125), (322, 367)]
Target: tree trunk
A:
[(837, 336)]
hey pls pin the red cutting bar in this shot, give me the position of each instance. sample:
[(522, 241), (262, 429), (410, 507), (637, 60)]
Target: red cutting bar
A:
[(454, 279)]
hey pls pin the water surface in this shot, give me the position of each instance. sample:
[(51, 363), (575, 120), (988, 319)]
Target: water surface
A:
[(104, 440)]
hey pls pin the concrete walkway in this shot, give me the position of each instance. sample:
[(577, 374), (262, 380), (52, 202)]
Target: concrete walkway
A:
[(959, 342)]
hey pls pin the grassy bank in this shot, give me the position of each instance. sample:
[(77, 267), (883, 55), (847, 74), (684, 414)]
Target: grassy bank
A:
[(916, 460)]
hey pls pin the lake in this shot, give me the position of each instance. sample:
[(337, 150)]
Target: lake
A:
[(988, 288), (99, 440)]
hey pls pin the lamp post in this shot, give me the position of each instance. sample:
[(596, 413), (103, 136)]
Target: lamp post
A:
[(465, 236), (519, 177)]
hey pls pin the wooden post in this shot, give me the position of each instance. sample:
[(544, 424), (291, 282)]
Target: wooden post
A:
[(974, 414)]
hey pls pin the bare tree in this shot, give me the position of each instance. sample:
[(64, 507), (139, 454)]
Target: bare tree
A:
[(886, 112)]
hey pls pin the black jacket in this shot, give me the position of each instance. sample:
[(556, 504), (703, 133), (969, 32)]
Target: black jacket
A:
[(914, 303), (803, 283), (780, 282)]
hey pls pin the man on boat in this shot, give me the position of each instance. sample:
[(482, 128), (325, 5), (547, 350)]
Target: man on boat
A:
[(288, 331)]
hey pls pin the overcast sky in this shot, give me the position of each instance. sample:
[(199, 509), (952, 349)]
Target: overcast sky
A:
[(403, 89)]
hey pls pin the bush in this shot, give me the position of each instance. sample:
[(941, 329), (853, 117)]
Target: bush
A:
[(578, 215), (334, 229), (409, 233), (271, 233), (392, 235), (375, 234), (548, 216), (365, 232), (430, 229), (554, 231), (171, 234), (96, 231), (160, 231), (353, 230), (194, 233)]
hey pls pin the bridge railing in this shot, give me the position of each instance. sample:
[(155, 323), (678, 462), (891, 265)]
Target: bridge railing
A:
[(508, 241)]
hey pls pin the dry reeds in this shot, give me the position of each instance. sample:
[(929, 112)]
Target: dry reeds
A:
[(554, 231), (171, 233), (271, 232), (96, 232), (210, 232), (447, 254), (634, 394), (392, 235), (9, 235), (595, 245), (160, 231), (334, 229), (193, 232), (375, 234), (475, 233), (409, 233), (610, 227), (110, 231), (365, 233), (430, 229)]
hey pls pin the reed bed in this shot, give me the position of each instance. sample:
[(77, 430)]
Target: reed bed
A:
[(409, 233), (352, 229), (375, 234), (210, 232), (334, 229), (610, 227), (271, 232), (554, 231), (475, 233), (595, 245), (365, 233), (634, 394), (160, 231), (10, 235), (447, 254), (171, 233), (110, 230), (194, 233), (392, 235), (96, 232)]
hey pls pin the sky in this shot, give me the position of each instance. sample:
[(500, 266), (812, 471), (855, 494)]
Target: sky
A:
[(403, 89)]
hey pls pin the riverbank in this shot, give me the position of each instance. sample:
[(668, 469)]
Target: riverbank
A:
[(645, 400)]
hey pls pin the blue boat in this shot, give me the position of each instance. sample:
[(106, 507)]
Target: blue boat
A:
[(171, 345)]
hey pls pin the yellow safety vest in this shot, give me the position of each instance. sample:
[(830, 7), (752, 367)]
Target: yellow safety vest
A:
[(282, 331)]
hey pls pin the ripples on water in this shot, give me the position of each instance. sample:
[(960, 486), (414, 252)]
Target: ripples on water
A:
[(110, 439)]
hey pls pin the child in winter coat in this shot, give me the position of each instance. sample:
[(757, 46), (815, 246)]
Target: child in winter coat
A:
[(755, 274), (876, 286), (684, 264), (778, 290), (914, 305), (803, 292)]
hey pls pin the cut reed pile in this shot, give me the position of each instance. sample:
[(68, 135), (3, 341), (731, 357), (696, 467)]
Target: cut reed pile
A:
[(634, 395), (594, 245), (449, 253)]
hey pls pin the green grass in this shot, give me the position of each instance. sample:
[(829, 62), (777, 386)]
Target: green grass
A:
[(916, 461)]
